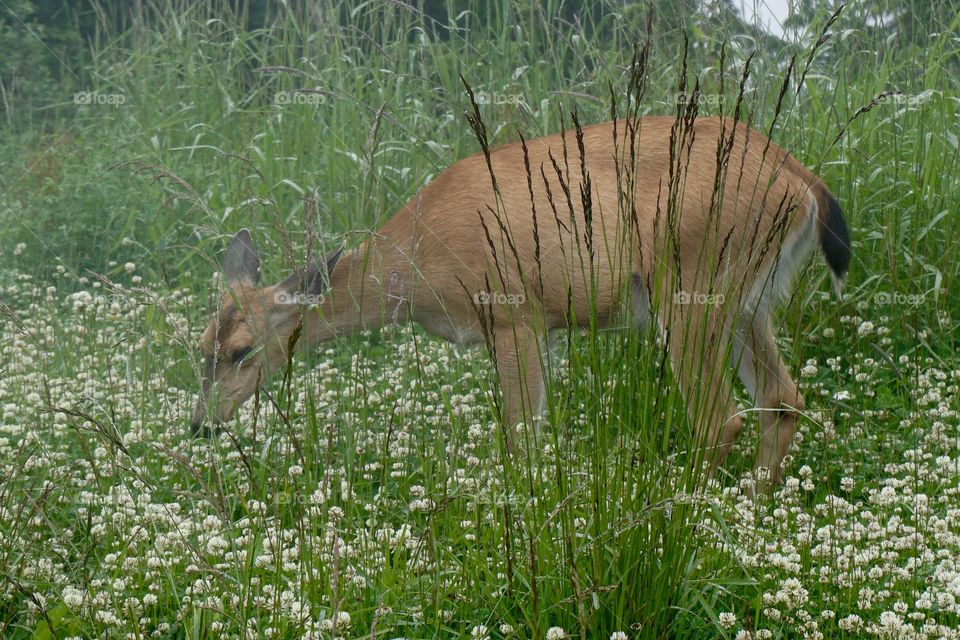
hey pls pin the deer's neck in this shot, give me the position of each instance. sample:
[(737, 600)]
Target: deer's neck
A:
[(368, 289)]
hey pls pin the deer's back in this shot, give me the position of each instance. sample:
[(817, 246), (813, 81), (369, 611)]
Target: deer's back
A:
[(544, 226)]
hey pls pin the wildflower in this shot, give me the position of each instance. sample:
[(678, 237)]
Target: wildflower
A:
[(890, 622), (421, 504), (556, 633), (618, 635), (727, 619), (479, 632), (72, 597), (851, 624), (792, 593), (343, 619)]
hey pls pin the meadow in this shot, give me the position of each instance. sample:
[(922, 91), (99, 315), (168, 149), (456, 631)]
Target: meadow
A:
[(367, 492)]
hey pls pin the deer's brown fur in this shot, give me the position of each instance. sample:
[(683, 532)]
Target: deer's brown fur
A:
[(704, 252)]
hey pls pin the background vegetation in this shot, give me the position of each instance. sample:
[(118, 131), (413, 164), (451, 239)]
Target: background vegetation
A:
[(137, 138)]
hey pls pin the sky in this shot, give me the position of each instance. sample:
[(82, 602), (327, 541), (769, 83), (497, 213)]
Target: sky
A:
[(769, 13)]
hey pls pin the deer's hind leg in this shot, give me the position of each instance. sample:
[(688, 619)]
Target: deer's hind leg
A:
[(767, 379), (698, 339)]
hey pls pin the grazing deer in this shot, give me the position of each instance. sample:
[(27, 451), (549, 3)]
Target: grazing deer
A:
[(699, 228)]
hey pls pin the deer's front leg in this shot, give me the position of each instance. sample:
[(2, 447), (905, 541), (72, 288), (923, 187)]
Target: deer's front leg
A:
[(517, 350)]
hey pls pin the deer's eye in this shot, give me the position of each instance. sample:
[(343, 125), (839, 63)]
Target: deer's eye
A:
[(239, 354)]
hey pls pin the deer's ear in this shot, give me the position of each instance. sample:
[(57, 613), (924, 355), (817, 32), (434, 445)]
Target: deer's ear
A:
[(241, 262), (312, 279)]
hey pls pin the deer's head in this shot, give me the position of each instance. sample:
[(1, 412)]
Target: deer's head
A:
[(249, 337)]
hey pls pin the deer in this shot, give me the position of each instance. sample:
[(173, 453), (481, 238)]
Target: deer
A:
[(699, 227)]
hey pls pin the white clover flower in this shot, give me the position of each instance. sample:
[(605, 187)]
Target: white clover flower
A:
[(890, 622), (107, 617), (506, 629), (556, 633), (422, 504), (73, 597), (618, 635), (809, 371), (479, 632), (727, 619), (343, 619), (792, 593), (851, 624)]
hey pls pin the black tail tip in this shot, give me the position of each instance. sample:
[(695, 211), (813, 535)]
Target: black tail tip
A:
[(834, 238)]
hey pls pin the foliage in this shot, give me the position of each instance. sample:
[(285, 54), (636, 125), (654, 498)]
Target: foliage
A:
[(137, 140)]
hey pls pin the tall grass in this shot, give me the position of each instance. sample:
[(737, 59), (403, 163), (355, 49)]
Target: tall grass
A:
[(375, 484)]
